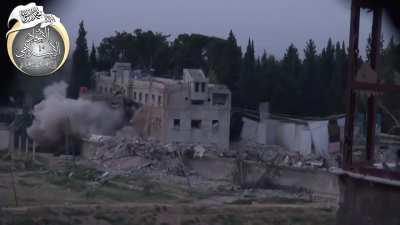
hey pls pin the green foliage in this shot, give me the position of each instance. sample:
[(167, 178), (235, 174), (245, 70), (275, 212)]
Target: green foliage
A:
[(81, 70), (312, 86), (142, 49), (93, 58)]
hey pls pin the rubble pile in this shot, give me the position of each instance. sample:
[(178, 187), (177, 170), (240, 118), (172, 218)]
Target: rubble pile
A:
[(129, 155), (277, 155)]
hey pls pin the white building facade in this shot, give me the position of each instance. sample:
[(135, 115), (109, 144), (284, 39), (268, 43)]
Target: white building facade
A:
[(190, 110)]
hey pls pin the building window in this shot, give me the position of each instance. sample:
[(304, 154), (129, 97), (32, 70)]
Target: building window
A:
[(196, 86), (100, 89), (158, 122), (197, 102), (219, 99), (159, 100), (134, 95), (129, 91), (153, 99), (203, 87), (105, 90), (196, 124), (140, 96), (177, 123), (215, 125), (146, 96)]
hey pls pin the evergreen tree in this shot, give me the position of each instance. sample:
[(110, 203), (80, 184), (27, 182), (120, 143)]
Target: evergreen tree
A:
[(286, 98), (339, 80), (311, 98), (93, 58), (248, 79), (81, 73), (326, 73), (264, 59), (249, 60), (230, 60), (233, 62), (368, 48)]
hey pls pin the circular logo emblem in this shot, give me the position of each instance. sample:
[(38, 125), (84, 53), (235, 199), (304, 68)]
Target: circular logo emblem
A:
[(37, 44)]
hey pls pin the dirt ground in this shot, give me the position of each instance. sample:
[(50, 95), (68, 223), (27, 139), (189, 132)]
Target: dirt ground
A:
[(53, 190)]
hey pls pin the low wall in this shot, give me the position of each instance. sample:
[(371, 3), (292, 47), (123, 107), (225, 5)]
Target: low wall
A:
[(4, 137), (318, 181), (367, 203)]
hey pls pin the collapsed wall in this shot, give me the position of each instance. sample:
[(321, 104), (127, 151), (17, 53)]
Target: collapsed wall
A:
[(55, 116)]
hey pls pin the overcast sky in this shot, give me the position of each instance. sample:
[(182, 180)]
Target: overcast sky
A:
[(272, 24)]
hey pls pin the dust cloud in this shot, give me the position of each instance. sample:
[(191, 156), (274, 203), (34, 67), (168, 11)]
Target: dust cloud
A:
[(57, 114)]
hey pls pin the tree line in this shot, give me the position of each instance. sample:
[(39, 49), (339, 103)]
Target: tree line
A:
[(310, 86)]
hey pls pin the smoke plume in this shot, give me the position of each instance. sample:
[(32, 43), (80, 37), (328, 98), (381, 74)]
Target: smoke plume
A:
[(56, 115)]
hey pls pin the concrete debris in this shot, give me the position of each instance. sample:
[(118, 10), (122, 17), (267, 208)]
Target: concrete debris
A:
[(127, 155), (199, 151), (277, 155)]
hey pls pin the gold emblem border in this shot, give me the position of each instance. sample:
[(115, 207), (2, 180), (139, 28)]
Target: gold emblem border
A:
[(64, 36)]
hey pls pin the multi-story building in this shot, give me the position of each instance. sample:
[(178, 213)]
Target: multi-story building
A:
[(190, 110)]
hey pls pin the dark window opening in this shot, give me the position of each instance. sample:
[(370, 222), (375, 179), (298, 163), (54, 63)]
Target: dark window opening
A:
[(134, 95), (197, 102), (159, 100), (219, 99), (196, 124), (196, 86), (130, 92), (140, 96), (203, 87), (146, 96), (177, 123), (215, 125)]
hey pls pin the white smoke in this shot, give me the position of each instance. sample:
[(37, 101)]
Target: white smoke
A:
[(56, 114)]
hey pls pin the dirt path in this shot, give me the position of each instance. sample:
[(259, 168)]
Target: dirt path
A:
[(148, 205), (168, 214)]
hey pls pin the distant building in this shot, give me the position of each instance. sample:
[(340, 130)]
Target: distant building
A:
[(190, 110)]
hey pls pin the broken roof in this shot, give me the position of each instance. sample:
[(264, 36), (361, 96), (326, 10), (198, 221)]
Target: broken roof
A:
[(196, 75), (220, 88), (122, 65)]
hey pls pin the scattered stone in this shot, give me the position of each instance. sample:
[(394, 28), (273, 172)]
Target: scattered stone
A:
[(122, 155), (277, 155), (199, 151)]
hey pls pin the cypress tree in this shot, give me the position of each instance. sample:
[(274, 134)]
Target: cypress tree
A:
[(81, 73), (93, 58)]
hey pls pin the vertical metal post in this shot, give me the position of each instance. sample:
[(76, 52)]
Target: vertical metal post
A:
[(11, 143), (351, 71), (33, 150), (19, 145), (26, 145), (375, 49)]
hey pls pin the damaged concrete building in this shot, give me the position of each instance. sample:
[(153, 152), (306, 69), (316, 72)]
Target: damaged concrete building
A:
[(188, 110), (320, 136)]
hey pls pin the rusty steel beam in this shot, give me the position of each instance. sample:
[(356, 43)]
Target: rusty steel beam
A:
[(375, 49), (375, 87), (371, 120), (371, 171), (351, 72)]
